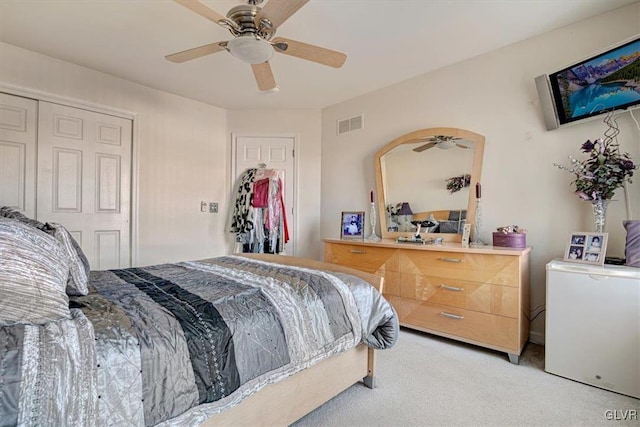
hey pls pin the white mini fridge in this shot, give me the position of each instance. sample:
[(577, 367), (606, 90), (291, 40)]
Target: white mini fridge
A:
[(593, 325)]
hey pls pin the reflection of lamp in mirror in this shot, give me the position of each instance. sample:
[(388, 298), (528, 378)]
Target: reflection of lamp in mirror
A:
[(405, 213)]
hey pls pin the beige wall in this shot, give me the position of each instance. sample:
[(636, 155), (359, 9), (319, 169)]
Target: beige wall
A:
[(182, 153), (305, 126), (494, 95)]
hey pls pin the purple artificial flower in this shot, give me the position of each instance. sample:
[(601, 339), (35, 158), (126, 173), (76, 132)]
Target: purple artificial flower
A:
[(587, 146), (627, 164), (603, 171), (582, 195), (588, 176)]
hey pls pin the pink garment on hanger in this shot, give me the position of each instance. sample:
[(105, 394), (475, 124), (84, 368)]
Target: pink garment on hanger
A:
[(267, 193), (260, 197), (284, 219)]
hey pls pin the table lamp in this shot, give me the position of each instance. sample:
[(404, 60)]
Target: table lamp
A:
[(405, 212)]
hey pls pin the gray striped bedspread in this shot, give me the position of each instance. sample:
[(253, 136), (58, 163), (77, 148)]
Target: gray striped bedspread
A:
[(174, 344)]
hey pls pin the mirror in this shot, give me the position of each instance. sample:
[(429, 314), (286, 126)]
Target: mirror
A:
[(428, 177)]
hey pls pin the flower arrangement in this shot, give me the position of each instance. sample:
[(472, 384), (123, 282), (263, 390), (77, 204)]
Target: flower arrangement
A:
[(602, 172), (457, 183), (393, 208)]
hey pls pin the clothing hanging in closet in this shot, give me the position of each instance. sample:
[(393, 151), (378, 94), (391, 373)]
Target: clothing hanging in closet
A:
[(259, 219)]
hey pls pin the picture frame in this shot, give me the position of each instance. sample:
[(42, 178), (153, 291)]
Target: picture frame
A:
[(466, 234), (352, 225), (586, 248)]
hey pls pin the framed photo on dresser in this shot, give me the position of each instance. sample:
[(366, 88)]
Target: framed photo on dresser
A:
[(586, 248), (352, 225)]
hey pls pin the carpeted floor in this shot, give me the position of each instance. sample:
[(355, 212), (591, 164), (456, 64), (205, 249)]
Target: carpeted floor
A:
[(430, 381)]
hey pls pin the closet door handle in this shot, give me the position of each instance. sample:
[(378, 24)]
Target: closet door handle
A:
[(357, 251), (451, 315), (451, 288), (445, 259)]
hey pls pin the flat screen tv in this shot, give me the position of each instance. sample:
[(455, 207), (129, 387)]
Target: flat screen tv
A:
[(605, 82)]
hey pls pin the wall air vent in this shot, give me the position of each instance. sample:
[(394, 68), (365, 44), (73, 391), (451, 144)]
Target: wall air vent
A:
[(350, 124)]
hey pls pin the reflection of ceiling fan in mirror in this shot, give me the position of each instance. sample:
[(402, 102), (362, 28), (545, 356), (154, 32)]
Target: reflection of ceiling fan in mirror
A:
[(441, 141), (253, 28)]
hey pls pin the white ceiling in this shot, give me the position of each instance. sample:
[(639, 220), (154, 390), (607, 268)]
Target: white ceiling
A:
[(386, 42)]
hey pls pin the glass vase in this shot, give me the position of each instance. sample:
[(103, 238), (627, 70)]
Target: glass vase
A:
[(599, 208), (477, 242), (372, 221)]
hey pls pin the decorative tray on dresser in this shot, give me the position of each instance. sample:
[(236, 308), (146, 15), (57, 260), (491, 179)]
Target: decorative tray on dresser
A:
[(476, 295)]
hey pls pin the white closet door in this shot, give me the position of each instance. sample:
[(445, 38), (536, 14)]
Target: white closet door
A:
[(275, 153), (84, 180), (18, 153)]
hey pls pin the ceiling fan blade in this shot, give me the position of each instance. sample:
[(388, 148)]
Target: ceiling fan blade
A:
[(443, 138), (196, 52), (424, 147), (462, 146), (278, 11), (311, 53), (264, 76), (202, 10)]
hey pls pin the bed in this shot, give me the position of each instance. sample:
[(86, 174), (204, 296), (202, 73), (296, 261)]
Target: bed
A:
[(232, 340)]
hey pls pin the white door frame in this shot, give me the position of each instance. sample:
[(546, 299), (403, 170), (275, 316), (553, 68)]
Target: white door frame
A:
[(293, 234), (103, 109)]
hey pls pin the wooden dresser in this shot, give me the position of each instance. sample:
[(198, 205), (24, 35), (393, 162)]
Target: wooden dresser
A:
[(476, 295)]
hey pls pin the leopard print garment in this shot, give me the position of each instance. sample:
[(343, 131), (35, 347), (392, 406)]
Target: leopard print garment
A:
[(242, 219)]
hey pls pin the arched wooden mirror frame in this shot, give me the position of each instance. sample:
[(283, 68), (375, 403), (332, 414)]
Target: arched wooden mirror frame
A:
[(412, 137)]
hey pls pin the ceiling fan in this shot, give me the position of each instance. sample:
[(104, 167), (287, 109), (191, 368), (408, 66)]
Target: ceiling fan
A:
[(441, 141), (253, 28)]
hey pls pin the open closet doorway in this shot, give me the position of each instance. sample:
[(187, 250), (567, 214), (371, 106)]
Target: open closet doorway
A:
[(277, 153)]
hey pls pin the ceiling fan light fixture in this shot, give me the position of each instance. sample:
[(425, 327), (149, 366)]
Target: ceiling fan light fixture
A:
[(270, 91), (445, 145), (250, 49)]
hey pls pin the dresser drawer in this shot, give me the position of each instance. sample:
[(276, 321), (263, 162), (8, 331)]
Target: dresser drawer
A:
[(364, 258), (497, 269), (483, 297), (465, 324)]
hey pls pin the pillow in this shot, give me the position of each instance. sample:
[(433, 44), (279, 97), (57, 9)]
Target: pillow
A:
[(632, 245), (8, 212), (78, 263), (34, 275)]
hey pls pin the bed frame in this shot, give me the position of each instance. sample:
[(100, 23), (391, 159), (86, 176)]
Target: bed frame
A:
[(287, 401)]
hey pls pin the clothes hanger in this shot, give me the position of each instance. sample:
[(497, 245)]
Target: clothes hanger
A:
[(263, 172)]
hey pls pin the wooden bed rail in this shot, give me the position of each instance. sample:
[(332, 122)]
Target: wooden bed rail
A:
[(375, 281)]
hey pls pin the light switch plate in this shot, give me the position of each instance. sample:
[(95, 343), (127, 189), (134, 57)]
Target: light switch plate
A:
[(203, 206), (213, 207)]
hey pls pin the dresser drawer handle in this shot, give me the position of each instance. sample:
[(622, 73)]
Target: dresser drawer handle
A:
[(451, 259), (451, 315), (451, 288), (357, 251)]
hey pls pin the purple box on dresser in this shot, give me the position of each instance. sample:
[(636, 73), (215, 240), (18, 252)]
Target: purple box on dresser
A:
[(510, 240)]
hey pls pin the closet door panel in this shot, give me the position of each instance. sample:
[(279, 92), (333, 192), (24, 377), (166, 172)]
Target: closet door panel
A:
[(84, 166), (67, 181), (17, 153)]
